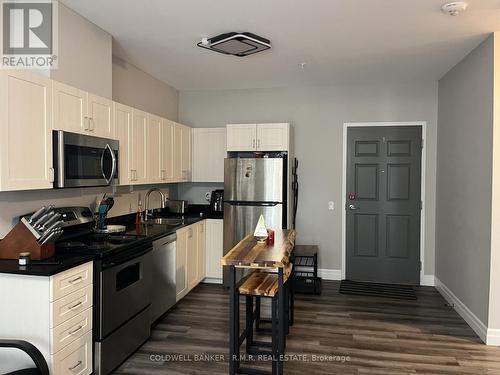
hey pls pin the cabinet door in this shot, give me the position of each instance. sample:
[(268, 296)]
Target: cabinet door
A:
[(192, 256), (123, 132), (201, 237), (272, 137), (241, 137), (177, 153), (70, 108), (153, 147), (209, 151), (180, 264), (100, 112), (26, 131), (214, 248), (167, 151), (186, 153), (138, 141)]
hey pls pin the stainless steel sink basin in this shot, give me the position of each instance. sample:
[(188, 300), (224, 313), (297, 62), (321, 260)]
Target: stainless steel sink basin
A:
[(165, 221)]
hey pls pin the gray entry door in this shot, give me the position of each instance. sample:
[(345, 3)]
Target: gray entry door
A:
[(383, 204)]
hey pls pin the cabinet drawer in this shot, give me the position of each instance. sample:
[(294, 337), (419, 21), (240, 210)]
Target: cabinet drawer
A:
[(70, 306), (69, 281), (72, 329), (74, 359)]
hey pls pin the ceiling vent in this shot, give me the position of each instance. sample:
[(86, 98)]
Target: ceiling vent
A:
[(237, 44)]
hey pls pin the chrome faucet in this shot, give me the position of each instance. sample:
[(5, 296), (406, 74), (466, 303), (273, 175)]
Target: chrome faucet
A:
[(149, 212)]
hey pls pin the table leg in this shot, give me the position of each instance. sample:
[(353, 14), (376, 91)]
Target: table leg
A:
[(234, 323), (281, 322)]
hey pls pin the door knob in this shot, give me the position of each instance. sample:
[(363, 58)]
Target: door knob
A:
[(353, 207)]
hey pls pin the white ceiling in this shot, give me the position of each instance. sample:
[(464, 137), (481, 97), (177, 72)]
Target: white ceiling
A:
[(341, 41)]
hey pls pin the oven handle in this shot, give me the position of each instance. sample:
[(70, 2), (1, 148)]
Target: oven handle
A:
[(113, 167), (126, 257)]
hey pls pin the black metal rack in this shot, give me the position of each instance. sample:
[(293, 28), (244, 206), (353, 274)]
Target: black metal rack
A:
[(306, 269)]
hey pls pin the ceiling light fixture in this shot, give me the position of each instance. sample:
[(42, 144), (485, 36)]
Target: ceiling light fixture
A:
[(455, 8), (236, 44)]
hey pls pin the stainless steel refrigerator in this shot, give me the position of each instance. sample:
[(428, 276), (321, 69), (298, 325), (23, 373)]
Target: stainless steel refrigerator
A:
[(253, 187)]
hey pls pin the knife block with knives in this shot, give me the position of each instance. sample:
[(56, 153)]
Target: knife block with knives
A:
[(35, 235)]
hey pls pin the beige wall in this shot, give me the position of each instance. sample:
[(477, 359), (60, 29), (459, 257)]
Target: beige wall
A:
[(318, 115), (133, 87), (464, 178), (84, 58), (494, 302)]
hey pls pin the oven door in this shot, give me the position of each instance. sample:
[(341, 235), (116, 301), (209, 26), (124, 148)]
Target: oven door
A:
[(82, 160), (125, 290)]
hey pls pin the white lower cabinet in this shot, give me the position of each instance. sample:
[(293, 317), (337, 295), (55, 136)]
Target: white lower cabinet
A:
[(52, 313), (214, 250), (74, 359), (190, 257)]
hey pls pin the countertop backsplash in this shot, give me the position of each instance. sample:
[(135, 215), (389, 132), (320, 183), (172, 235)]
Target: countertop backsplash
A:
[(16, 203)]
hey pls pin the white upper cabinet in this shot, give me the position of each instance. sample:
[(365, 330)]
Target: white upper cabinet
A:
[(186, 153), (137, 140), (78, 111), (70, 108), (241, 137), (258, 137), (273, 137), (26, 131), (209, 151), (154, 145), (177, 157), (123, 130), (100, 113), (167, 151)]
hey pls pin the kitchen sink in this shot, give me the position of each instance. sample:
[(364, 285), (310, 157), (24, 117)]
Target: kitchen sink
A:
[(165, 221)]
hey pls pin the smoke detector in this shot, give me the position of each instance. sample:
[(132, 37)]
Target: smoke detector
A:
[(236, 44), (455, 8)]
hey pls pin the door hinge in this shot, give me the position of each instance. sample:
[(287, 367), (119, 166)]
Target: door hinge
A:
[(421, 204), (421, 143), (419, 265)]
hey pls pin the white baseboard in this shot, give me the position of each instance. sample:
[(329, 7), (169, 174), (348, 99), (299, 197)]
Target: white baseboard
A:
[(427, 280), (472, 320), (493, 337), (212, 280), (328, 274)]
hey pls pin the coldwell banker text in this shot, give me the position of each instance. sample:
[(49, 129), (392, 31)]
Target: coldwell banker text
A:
[(29, 34)]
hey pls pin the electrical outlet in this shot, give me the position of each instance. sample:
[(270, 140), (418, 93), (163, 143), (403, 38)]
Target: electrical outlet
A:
[(331, 205)]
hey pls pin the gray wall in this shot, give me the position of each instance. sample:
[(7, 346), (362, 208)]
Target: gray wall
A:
[(84, 58), (318, 114), (132, 86), (464, 177)]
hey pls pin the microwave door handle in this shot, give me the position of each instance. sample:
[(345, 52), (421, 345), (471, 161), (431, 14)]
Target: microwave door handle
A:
[(113, 165)]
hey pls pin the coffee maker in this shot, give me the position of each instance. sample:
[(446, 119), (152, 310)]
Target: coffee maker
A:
[(217, 201)]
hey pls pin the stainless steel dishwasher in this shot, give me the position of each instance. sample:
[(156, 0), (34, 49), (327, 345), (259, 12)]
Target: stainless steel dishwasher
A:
[(163, 283)]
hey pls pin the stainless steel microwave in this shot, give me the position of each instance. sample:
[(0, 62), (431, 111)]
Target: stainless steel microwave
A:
[(82, 160)]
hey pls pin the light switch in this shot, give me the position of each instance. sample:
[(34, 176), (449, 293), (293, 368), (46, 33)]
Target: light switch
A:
[(331, 205)]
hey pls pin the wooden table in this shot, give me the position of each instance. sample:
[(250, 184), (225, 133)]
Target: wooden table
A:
[(249, 253)]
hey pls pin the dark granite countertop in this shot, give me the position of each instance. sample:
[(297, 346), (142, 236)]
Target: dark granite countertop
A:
[(46, 267), (62, 262)]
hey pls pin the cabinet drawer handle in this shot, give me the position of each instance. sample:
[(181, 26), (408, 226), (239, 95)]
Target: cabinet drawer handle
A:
[(253, 143), (76, 280), (78, 304), (86, 123), (91, 124), (75, 366), (75, 330), (258, 143)]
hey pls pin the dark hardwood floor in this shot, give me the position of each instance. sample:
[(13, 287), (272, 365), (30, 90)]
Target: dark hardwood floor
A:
[(368, 336)]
